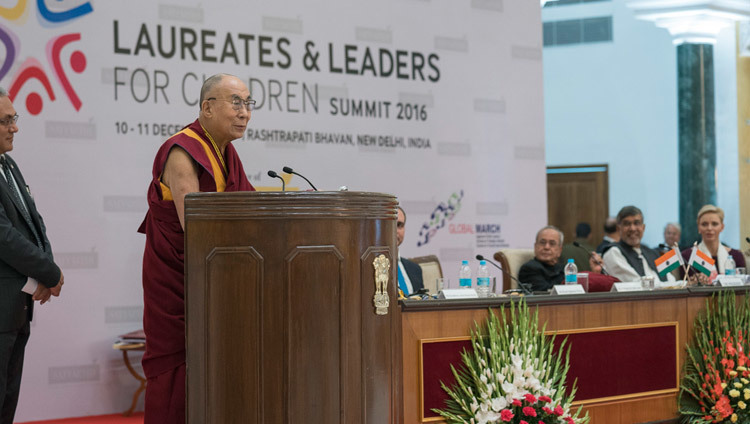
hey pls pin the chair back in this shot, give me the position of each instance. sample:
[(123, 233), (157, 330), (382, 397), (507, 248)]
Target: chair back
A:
[(431, 271), (511, 260)]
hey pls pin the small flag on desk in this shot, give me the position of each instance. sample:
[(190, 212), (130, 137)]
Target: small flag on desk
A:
[(701, 261), (667, 262)]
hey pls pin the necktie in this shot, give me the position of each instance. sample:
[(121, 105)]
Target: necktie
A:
[(402, 282), (22, 206)]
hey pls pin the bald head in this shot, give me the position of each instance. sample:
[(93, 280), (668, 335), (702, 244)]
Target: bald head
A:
[(209, 85)]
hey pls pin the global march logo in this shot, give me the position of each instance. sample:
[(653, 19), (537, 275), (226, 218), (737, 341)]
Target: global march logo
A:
[(32, 68), (444, 211)]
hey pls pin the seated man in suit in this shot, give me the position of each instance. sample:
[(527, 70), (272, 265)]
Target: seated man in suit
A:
[(409, 273), (546, 270), (628, 259), (610, 235), (672, 234)]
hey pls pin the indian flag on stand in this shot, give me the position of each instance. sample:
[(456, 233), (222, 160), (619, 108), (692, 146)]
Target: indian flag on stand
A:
[(668, 262), (701, 261)]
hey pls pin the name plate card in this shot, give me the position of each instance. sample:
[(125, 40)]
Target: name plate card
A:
[(730, 280), (568, 289), (458, 294), (626, 287)]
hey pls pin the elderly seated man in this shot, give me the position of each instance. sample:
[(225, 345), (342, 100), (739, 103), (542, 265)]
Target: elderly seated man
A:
[(546, 270), (628, 259)]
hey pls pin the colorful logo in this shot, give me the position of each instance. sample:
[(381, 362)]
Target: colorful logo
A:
[(31, 68), (445, 211)]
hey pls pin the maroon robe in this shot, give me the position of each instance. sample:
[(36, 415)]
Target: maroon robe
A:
[(164, 268)]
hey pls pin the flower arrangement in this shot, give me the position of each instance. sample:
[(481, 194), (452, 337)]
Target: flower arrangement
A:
[(715, 386), (512, 375)]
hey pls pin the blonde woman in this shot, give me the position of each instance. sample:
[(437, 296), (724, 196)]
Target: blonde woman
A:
[(710, 225)]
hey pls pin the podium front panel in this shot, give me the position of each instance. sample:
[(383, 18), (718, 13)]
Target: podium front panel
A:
[(281, 320)]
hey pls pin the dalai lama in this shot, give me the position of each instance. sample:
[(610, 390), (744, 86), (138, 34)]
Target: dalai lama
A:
[(199, 158)]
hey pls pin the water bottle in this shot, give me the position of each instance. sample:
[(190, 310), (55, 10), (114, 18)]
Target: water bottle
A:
[(483, 280), (571, 272), (464, 275), (730, 268)]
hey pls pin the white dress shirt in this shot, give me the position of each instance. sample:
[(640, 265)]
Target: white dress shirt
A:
[(617, 266), (406, 276)]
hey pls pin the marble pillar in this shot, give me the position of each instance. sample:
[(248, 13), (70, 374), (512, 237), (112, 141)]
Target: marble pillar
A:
[(697, 134)]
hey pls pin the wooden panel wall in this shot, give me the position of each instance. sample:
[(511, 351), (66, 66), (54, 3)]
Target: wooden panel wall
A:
[(578, 197)]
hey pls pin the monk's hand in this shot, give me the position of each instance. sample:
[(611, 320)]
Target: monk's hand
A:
[(42, 294), (56, 290)]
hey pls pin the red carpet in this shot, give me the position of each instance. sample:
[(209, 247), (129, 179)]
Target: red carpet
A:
[(137, 418)]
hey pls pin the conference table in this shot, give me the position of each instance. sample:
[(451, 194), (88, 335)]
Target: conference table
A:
[(627, 349)]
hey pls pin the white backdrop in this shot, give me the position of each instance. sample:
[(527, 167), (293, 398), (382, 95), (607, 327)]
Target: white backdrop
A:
[(100, 85)]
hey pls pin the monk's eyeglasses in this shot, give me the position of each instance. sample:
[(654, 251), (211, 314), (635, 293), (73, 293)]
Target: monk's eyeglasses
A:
[(238, 103)]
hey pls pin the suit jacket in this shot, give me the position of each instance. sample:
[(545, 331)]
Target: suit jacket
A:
[(414, 271), (541, 276), (20, 257)]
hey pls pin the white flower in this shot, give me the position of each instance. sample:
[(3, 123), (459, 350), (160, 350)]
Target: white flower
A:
[(508, 387), (498, 404), (487, 417), (474, 406), (483, 378)]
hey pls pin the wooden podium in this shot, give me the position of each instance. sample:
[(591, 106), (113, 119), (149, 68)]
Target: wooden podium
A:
[(281, 321)]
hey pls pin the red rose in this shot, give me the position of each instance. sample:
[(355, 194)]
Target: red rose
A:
[(506, 415), (529, 398), (545, 399), (558, 410), (529, 411), (516, 402), (523, 422), (547, 410)]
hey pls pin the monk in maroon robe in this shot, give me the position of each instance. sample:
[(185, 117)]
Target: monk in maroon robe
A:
[(198, 158)]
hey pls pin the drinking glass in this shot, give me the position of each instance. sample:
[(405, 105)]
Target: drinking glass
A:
[(443, 283), (583, 280), (647, 282)]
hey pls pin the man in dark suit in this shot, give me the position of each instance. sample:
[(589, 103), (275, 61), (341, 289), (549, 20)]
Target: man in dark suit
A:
[(27, 270), (545, 270), (409, 273)]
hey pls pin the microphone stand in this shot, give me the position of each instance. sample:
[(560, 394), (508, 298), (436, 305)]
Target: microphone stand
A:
[(523, 286), (289, 170), (273, 174), (591, 254)]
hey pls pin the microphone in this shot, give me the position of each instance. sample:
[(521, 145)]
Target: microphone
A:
[(289, 170), (523, 286), (598, 262), (273, 174)]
